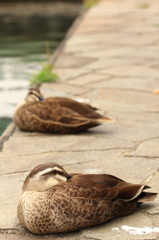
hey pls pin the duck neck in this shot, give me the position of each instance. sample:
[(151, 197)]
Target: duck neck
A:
[(20, 104)]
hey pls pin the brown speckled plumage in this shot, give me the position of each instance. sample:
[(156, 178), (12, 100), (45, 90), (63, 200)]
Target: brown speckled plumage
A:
[(84, 200), (56, 114)]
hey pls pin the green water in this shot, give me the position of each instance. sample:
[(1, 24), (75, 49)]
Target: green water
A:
[(22, 37), (25, 37), (22, 48), (4, 122)]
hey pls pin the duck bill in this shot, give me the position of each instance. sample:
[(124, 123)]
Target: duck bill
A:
[(69, 176), (41, 98)]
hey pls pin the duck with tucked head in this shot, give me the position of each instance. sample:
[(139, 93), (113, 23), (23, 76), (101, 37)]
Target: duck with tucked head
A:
[(56, 114), (53, 201)]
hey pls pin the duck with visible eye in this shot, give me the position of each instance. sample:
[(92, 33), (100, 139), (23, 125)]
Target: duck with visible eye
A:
[(56, 114), (53, 201)]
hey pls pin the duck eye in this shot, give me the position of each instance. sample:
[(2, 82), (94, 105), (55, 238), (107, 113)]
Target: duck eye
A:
[(54, 171)]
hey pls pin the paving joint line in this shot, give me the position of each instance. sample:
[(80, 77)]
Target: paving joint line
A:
[(142, 156), (83, 150)]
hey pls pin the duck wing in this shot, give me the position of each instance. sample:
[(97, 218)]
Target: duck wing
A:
[(93, 199), (83, 109), (50, 117), (57, 115), (107, 187)]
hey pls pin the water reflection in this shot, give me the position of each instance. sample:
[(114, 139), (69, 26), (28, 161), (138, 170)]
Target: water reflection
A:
[(4, 122), (22, 48)]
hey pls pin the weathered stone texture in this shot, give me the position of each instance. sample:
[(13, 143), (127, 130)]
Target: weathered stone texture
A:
[(111, 61)]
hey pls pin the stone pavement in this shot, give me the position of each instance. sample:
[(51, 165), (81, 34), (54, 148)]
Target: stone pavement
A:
[(110, 58)]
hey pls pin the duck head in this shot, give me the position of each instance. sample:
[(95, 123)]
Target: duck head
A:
[(34, 95), (45, 176)]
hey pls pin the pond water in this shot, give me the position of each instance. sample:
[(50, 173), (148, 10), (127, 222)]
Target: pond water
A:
[(22, 48)]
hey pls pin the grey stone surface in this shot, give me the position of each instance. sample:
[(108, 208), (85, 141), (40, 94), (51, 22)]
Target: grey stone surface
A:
[(61, 89), (62, 143), (132, 71), (126, 129), (126, 168), (128, 227), (148, 148), (67, 159), (88, 79), (68, 73), (152, 180), (12, 235), (106, 52), (138, 84), (111, 61), (73, 49), (67, 60), (121, 100), (10, 188)]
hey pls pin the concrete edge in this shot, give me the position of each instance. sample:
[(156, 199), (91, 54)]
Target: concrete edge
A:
[(6, 134), (69, 33)]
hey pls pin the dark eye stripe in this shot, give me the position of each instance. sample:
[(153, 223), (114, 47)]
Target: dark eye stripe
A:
[(55, 172), (39, 97), (60, 173), (34, 94)]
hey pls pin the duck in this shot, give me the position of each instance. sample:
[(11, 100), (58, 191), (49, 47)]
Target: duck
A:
[(56, 114), (54, 201)]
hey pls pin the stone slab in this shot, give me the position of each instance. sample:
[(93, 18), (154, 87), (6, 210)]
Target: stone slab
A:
[(128, 227), (145, 53), (124, 100), (84, 47), (91, 24), (148, 148), (128, 130), (101, 12), (110, 59), (117, 106), (10, 188), (139, 84), (106, 52), (68, 73), (152, 181), (115, 49), (46, 143), (61, 89), (110, 62), (67, 60), (132, 71), (67, 159), (72, 236), (126, 168), (88, 79), (124, 38)]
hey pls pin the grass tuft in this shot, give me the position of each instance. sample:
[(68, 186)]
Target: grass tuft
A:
[(89, 3), (143, 6), (45, 75), (156, 25)]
